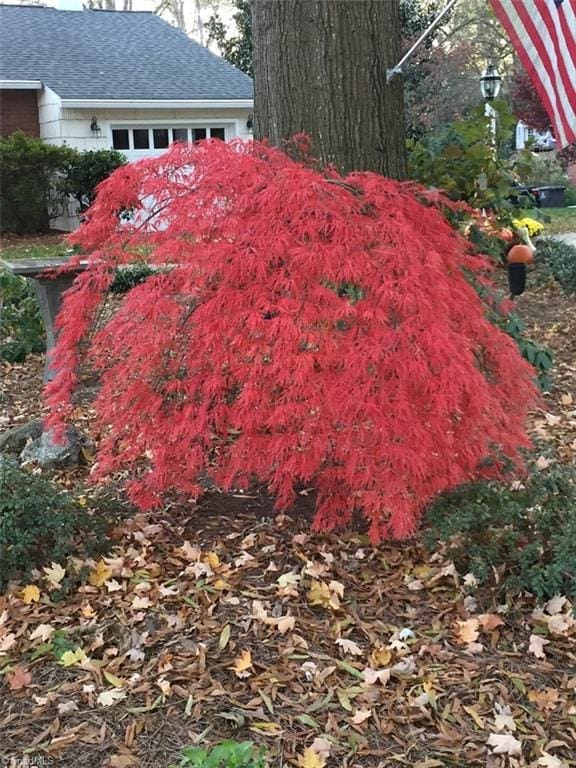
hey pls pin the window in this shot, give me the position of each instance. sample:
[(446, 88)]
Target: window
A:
[(151, 140), (120, 139), (160, 136), (180, 134), (198, 134), (141, 138)]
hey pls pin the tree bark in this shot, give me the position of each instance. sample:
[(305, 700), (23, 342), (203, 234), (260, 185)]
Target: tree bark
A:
[(320, 69)]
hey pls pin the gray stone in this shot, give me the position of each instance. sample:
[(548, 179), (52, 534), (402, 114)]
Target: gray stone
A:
[(14, 440), (49, 454)]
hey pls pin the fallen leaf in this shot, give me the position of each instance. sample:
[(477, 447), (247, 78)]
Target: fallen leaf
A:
[(489, 621), (100, 575), (360, 716), (224, 637), (71, 658), (550, 761), (504, 744), (242, 664), (110, 697), (54, 574), (19, 678), (30, 594), (546, 699), (349, 646), (503, 720), (42, 632), (468, 630), (311, 759), (286, 624), (536, 646)]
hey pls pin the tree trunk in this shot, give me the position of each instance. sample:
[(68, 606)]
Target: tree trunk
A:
[(320, 68)]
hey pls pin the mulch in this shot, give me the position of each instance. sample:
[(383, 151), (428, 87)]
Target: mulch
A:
[(224, 619)]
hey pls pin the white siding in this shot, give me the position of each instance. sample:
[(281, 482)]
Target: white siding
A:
[(61, 125)]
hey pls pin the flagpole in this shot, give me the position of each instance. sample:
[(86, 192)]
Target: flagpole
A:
[(397, 70)]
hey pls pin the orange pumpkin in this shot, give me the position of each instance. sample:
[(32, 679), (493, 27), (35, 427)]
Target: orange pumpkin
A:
[(520, 254), (505, 234)]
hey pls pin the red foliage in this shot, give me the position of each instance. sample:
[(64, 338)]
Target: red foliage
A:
[(245, 360), (527, 104)]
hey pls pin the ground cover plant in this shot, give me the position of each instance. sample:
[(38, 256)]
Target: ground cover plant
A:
[(289, 290), (559, 259), (21, 327)]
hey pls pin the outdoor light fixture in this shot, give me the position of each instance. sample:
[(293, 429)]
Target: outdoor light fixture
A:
[(250, 122), (94, 127), (490, 83)]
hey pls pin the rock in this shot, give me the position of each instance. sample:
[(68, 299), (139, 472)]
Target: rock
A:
[(14, 440), (49, 454)]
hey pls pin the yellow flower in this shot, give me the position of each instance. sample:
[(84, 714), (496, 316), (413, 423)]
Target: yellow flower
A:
[(534, 227)]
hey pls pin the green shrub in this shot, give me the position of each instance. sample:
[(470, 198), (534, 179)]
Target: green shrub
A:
[(527, 536), (570, 195), (540, 357), (128, 277), (87, 171), (21, 327), (32, 182), (560, 259), (462, 160), (40, 523), (545, 170), (227, 754)]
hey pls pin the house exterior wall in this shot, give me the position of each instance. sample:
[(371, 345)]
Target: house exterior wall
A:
[(19, 112), (71, 126)]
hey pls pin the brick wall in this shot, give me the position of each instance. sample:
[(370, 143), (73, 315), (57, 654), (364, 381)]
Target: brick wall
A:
[(19, 111)]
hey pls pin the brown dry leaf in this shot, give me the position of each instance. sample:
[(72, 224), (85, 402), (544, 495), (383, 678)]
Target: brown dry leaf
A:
[(536, 646), (504, 744), (489, 621), (285, 624), (349, 646), (122, 761), (42, 632), (321, 594), (242, 664), (546, 699), (19, 678), (468, 631), (360, 716)]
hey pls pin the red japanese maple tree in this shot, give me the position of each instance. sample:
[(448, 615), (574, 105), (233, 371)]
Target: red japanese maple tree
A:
[(308, 329)]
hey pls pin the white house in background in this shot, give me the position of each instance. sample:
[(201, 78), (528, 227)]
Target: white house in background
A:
[(541, 142), (114, 80)]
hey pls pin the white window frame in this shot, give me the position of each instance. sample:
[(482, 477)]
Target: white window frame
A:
[(230, 131)]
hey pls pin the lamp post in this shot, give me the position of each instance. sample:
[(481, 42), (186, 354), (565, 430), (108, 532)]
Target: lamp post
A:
[(490, 84)]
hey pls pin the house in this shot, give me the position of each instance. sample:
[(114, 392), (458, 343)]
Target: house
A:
[(97, 79), (541, 142)]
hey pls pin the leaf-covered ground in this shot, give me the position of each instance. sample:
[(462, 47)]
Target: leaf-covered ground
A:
[(223, 619)]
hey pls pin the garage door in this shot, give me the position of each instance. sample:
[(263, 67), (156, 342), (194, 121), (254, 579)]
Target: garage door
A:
[(141, 141)]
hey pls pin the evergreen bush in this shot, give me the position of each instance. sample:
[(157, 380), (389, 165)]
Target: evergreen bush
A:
[(21, 326), (40, 523), (525, 535), (559, 258)]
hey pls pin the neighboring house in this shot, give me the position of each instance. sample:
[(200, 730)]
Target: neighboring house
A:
[(541, 142), (114, 80)]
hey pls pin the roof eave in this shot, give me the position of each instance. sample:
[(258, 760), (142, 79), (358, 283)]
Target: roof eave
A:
[(159, 103), (21, 85)]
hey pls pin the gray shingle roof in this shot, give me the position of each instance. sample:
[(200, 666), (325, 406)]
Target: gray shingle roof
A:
[(112, 55)]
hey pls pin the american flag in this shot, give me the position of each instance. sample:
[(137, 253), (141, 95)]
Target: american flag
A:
[(543, 32)]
